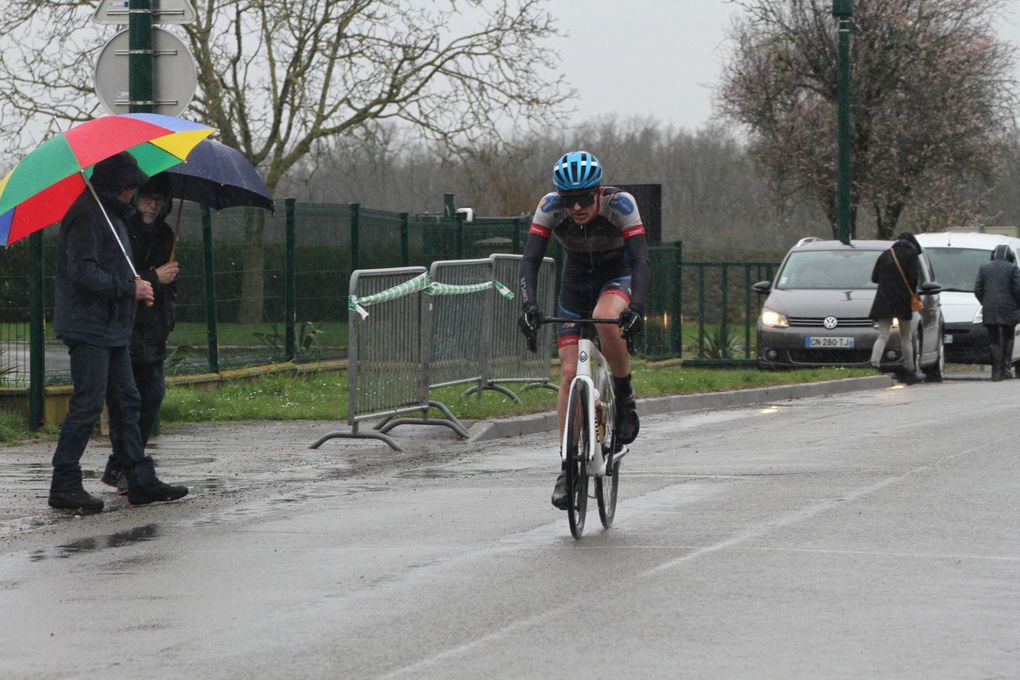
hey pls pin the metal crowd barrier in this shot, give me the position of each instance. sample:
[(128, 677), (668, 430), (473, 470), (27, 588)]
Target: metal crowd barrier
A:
[(509, 359), (385, 355), (458, 329)]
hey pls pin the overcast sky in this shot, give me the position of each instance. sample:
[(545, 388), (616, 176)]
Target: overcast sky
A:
[(658, 57)]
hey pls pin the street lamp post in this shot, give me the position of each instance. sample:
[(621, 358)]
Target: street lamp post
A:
[(843, 10)]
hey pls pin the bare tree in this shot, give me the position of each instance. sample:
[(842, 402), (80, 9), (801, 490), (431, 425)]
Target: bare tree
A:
[(932, 103), (277, 77)]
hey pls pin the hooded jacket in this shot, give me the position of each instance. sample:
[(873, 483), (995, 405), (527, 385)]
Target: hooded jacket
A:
[(95, 290), (152, 244), (892, 299), (998, 289)]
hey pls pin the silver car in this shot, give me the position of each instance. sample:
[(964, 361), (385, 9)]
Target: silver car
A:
[(816, 312)]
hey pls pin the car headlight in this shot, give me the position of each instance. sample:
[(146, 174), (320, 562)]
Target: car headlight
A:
[(895, 322), (979, 317), (770, 318)]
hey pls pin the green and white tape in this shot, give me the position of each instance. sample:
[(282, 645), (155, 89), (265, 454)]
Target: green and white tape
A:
[(436, 288), (422, 283), (358, 304)]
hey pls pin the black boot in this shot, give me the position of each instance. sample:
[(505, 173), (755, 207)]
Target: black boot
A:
[(559, 497), (78, 499), (111, 474), (156, 492)]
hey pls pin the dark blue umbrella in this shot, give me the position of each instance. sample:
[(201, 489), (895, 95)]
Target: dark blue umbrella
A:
[(220, 177)]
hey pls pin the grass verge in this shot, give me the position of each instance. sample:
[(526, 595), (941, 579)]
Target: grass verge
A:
[(324, 396)]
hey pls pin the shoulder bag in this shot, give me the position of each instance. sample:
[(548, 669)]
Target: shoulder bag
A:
[(916, 303)]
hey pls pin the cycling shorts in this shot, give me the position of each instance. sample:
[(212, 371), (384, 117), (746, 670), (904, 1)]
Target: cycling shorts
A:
[(580, 291)]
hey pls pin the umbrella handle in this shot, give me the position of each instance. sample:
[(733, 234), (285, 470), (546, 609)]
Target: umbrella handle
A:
[(148, 303), (177, 231), (113, 230)]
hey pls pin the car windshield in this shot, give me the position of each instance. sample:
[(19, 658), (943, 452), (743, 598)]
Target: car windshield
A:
[(842, 269), (957, 268)]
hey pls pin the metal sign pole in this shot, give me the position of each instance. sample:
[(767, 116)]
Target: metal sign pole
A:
[(140, 89)]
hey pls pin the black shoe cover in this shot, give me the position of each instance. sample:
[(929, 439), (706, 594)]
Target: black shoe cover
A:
[(559, 497), (628, 425)]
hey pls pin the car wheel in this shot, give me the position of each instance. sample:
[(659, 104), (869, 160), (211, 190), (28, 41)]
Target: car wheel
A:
[(937, 371)]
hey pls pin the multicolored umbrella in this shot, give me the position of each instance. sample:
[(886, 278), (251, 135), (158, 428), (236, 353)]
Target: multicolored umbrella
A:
[(40, 189)]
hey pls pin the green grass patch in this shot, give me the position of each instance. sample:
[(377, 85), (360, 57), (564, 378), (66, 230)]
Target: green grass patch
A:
[(330, 334), (13, 429)]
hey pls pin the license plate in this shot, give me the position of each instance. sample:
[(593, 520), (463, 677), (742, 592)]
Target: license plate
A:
[(947, 339), (827, 342)]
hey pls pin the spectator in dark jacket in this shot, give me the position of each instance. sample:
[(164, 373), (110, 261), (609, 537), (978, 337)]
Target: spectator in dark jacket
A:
[(892, 300), (152, 242), (93, 315), (998, 290)]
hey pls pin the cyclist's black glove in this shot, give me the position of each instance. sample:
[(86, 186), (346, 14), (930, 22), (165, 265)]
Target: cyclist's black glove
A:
[(632, 322), (529, 322)]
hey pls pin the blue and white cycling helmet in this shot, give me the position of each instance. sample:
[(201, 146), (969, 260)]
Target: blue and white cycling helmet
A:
[(576, 171)]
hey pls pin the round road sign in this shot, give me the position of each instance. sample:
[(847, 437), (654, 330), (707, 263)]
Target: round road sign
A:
[(174, 76)]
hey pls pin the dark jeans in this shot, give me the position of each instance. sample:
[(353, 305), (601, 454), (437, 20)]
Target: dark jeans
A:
[(151, 386), (98, 375), (1000, 339)]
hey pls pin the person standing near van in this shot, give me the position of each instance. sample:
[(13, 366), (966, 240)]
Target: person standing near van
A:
[(998, 290), (898, 274)]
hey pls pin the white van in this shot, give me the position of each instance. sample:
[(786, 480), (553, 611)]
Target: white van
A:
[(955, 259)]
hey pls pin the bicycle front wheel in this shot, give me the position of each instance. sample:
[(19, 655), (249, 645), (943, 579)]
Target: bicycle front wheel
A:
[(606, 488), (577, 458)]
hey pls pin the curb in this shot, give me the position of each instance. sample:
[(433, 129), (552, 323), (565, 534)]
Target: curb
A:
[(486, 430)]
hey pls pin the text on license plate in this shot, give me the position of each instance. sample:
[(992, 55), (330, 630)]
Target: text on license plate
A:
[(812, 342)]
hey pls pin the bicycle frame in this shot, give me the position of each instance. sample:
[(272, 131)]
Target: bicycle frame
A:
[(591, 368)]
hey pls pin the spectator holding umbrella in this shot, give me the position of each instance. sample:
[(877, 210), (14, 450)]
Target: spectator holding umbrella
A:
[(152, 242), (998, 290), (218, 176), (96, 297)]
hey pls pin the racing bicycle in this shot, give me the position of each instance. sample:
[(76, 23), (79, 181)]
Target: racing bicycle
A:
[(590, 451)]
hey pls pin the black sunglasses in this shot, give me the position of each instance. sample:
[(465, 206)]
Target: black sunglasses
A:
[(581, 198)]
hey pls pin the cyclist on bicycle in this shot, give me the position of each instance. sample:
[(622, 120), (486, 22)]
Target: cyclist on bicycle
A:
[(605, 275)]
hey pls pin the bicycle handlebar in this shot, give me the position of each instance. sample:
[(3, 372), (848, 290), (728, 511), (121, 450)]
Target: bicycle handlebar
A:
[(567, 319), (631, 347)]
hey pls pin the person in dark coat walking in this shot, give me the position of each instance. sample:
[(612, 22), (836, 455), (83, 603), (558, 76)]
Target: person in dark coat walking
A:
[(152, 242), (96, 295), (998, 290), (892, 300)]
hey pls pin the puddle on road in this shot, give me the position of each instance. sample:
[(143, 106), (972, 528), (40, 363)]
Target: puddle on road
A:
[(33, 473), (120, 539), (207, 484), (450, 473), (269, 507), (174, 460)]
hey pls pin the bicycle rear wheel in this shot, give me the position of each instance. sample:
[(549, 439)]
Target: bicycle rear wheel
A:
[(577, 458)]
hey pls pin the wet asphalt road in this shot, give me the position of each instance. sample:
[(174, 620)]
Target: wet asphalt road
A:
[(874, 534)]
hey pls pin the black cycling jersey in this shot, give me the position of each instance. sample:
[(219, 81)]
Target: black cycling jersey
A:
[(612, 245)]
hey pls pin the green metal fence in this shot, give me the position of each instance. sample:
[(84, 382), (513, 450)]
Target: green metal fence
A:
[(720, 299)]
